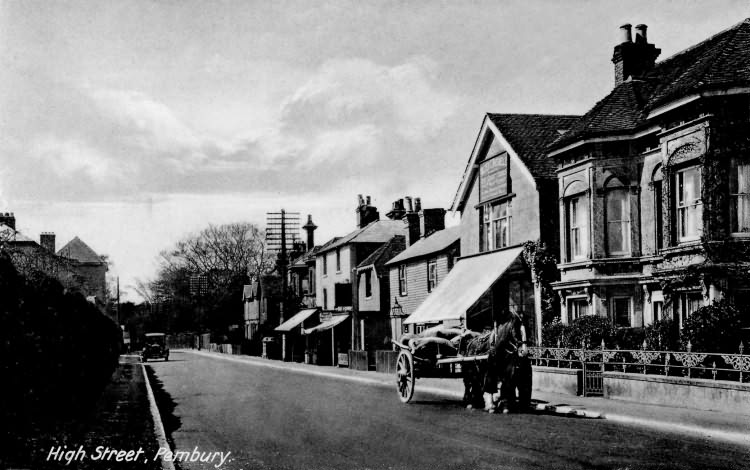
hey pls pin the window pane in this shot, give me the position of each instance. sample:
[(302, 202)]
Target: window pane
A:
[(622, 312), (615, 237)]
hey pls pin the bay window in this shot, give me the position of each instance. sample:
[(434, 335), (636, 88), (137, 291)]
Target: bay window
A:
[(576, 220), (739, 188), (618, 222), (689, 205)]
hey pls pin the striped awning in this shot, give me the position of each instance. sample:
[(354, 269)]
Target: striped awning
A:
[(464, 284), (326, 325), (298, 318)]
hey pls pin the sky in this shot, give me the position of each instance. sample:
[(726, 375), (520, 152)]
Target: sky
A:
[(132, 124)]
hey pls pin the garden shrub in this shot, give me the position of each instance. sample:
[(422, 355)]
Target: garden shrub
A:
[(662, 336), (590, 330), (628, 338), (554, 331), (713, 328)]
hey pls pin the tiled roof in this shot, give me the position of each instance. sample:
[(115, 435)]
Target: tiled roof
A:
[(379, 231), (435, 243), (380, 257), (9, 234), (77, 250), (720, 61), (529, 135)]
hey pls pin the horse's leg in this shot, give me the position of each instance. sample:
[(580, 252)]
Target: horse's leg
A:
[(508, 388), (523, 376)]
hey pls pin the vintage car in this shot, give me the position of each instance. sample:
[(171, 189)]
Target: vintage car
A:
[(156, 347)]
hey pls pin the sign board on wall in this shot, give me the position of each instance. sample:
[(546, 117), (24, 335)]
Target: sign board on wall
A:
[(493, 177)]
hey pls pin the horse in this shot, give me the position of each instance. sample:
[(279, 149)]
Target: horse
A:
[(507, 364)]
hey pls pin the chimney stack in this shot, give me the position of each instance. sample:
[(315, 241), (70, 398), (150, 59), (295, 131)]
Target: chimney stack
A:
[(47, 240), (633, 59), (366, 213), (8, 219), (640, 34), (411, 220), (431, 221), (397, 210), (625, 34), (310, 227)]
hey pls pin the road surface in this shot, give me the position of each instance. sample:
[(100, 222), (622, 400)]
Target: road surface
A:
[(281, 419)]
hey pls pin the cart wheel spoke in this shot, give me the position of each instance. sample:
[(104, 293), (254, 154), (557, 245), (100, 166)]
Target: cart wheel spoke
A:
[(405, 376)]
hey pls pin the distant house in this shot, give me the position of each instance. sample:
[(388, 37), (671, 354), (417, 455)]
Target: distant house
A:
[(335, 279), (374, 293), (417, 271), (261, 299), (91, 268)]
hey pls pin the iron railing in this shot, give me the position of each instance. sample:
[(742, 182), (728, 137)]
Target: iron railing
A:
[(699, 365)]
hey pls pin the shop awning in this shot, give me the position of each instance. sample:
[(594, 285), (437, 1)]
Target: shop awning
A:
[(326, 325), (298, 318), (464, 284)]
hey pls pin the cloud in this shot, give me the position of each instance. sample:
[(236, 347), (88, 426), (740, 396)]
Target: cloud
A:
[(72, 157), (405, 99), (91, 142)]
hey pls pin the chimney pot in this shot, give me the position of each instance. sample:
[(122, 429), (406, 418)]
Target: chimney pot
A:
[(640, 33), (417, 204), (368, 200), (625, 34), (409, 207)]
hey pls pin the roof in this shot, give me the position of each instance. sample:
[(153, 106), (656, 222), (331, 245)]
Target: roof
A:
[(435, 243), (529, 135), (79, 251), (378, 231), (380, 257), (10, 234), (719, 62), (302, 260)]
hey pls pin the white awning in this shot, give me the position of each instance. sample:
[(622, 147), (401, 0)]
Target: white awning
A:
[(326, 325), (298, 318), (464, 284)]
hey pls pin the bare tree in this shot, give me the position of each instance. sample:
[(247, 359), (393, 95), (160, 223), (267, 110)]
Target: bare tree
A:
[(220, 252)]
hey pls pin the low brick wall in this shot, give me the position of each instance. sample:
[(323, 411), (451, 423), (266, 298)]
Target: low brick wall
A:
[(552, 379), (678, 391)]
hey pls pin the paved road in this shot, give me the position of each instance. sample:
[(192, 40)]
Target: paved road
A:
[(271, 418)]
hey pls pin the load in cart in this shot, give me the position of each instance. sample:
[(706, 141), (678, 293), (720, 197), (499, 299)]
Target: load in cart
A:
[(494, 365)]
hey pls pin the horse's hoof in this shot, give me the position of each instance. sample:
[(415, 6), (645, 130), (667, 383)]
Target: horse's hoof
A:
[(469, 407), (492, 411), (506, 411)]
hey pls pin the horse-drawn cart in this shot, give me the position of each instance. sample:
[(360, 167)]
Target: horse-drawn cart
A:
[(410, 366), (482, 360)]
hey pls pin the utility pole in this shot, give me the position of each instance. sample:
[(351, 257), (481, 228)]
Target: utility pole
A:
[(118, 300)]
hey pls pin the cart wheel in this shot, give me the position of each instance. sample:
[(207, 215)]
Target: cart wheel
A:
[(405, 376)]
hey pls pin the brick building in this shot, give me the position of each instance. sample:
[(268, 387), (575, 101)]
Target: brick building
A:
[(653, 184)]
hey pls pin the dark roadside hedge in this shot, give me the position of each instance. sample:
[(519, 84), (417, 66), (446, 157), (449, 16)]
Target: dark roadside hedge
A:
[(57, 351)]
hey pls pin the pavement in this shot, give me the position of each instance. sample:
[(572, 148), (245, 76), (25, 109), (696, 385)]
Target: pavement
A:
[(727, 427)]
